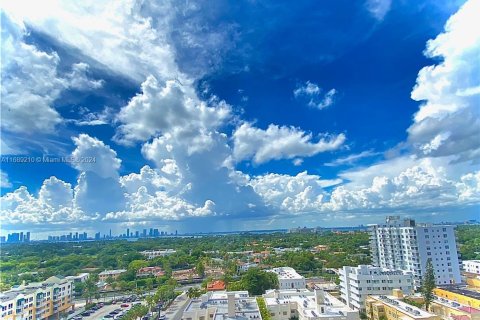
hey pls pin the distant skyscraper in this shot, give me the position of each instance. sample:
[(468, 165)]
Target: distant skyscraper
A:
[(137, 234), (128, 233), (401, 244), (144, 233), (27, 239), (97, 236)]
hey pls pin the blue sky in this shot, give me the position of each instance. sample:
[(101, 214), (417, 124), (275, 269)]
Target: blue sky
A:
[(206, 116)]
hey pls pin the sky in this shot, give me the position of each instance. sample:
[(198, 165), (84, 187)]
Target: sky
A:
[(202, 116)]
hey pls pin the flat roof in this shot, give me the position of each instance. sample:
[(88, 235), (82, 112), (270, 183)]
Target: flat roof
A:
[(246, 307), (286, 273), (461, 290), (306, 302), (403, 306)]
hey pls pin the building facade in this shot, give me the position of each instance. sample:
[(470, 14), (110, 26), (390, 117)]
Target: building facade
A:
[(81, 277), (114, 274), (402, 244), (288, 278), (37, 301), (471, 266), (461, 295), (452, 310), (356, 283), (306, 305), (150, 271), (393, 308)]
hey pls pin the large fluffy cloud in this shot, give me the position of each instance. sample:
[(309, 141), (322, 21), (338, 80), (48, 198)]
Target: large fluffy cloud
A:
[(92, 155), (117, 35), (54, 205), (279, 142), (206, 175), (292, 194), (31, 82), (170, 108), (448, 121)]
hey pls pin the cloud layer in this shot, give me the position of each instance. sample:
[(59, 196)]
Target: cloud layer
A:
[(196, 144)]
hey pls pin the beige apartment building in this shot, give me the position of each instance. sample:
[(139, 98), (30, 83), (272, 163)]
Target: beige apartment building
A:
[(37, 301)]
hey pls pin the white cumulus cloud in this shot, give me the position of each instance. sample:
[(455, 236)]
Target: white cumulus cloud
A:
[(448, 120), (279, 142)]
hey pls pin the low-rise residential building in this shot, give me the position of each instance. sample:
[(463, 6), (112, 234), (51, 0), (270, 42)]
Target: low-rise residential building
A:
[(81, 277), (221, 305), (214, 272), (288, 278), (306, 305), (473, 282), (217, 285), (471, 266), (356, 283), (152, 254), (114, 274), (392, 307), (37, 301), (244, 266), (150, 271), (186, 275), (459, 294), (452, 310), (320, 247)]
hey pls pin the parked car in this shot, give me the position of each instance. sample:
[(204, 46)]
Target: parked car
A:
[(125, 305)]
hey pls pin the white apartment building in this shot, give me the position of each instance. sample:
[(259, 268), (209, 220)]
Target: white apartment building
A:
[(401, 244), (81, 277), (37, 301), (306, 305), (288, 278), (222, 305), (471, 266), (152, 254), (356, 283)]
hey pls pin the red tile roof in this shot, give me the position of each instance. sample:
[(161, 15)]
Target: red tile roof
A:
[(216, 285)]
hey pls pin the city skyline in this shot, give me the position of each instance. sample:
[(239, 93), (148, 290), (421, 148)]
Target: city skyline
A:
[(201, 118)]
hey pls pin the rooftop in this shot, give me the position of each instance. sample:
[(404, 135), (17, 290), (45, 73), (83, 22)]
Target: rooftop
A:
[(306, 303), (246, 307), (216, 285), (402, 306), (461, 289), (286, 273), (111, 272)]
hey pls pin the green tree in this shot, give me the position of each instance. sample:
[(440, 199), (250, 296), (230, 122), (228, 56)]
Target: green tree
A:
[(90, 290), (194, 292), (257, 281), (428, 284), (200, 268), (263, 309)]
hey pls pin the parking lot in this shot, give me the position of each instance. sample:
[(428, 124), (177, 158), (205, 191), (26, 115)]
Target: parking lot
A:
[(102, 312)]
